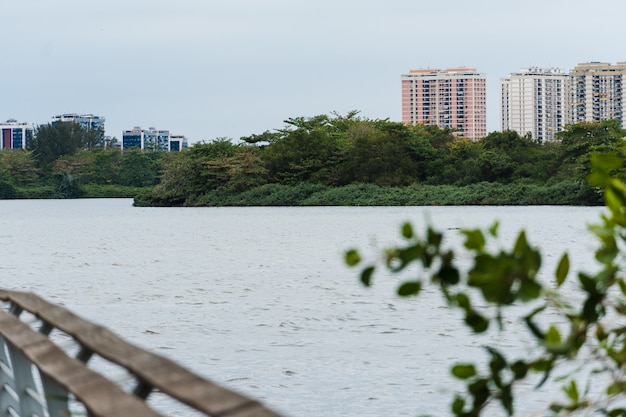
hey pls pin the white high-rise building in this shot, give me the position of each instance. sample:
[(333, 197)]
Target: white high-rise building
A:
[(534, 101), (597, 92), (87, 121)]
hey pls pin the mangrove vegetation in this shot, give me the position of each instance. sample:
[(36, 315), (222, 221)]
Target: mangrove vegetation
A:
[(329, 159)]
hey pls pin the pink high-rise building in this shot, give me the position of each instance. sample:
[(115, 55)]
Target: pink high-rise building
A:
[(454, 98)]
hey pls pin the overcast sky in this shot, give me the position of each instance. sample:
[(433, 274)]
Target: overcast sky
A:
[(230, 68)]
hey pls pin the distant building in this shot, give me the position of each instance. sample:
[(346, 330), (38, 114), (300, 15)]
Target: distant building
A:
[(87, 121), (597, 92), (152, 139), (15, 135), (177, 143), (534, 100), (454, 98)]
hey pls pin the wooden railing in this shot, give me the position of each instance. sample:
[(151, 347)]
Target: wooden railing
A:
[(40, 378)]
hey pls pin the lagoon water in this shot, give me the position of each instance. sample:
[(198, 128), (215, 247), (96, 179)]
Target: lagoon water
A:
[(259, 299)]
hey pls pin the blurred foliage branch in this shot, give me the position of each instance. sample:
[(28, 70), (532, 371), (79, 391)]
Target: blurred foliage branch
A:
[(592, 331)]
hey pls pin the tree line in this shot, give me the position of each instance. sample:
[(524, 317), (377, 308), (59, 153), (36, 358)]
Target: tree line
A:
[(329, 159), (313, 160)]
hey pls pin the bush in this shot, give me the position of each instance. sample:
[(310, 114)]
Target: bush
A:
[(7, 191), (70, 187)]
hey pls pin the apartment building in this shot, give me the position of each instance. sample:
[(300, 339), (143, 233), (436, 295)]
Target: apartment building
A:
[(152, 139), (534, 101), (15, 135), (454, 98), (596, 91), (87, 121)]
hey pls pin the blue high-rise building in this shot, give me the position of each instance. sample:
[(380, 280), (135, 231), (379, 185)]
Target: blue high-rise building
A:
[(153, 140)]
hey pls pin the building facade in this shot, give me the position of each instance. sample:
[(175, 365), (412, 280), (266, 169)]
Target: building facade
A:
[(87, 121), (177, 143), (454, 98), (16, 135), (534, 101), (152, 139), (597, 92)]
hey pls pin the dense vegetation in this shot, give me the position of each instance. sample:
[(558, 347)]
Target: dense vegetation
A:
[(347, 160), (322, 160), (66, 161)]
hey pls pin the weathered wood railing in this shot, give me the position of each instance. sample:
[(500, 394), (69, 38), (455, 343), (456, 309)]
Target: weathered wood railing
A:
[(39, 378)]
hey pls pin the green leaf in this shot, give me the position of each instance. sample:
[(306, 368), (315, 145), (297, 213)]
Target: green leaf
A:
[(477, 322), (521, 244), (614, 199), (458, 405), (616, 412), (588, 283), (497, 362), (352, 257), (474, 240), (408, 255), (529, 290), (366, 276), (409, 288), (553, 337), (534, 329), (407, 231), (562, 270), (480, 390), (463, 301), (592, 308), (506, 398), (434, 238), (614, 389), (542, 365), (571, 391), (464, 371), (449, 275), (493, 230), (520, 369)]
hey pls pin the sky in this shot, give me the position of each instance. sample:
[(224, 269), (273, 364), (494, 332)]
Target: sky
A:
[(224, 69)]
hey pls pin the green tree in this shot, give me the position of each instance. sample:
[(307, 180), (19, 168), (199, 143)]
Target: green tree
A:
[(18, 166), (106, 166), (237, 173), (380, 156), (564, 333), (77, 165), (205, 167), (140, 169), (307, 149), (99, 166), (509, 157), (460, 165), (581, 140), (54, 140), (495, 166), (93, 138)]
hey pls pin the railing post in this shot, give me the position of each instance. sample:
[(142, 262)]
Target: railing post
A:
[(56, 398), (31, 402), (8, 400)]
